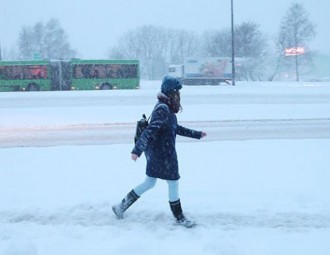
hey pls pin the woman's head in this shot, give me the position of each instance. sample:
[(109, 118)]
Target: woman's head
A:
[(170, 93), (170, 85)]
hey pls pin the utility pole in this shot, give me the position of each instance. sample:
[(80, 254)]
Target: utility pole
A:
[(232, 45)]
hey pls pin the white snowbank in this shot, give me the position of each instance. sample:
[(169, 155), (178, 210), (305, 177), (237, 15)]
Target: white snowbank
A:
[(252, 197)]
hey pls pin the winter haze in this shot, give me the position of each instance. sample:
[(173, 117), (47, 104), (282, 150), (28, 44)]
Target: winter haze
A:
[(95, 26)]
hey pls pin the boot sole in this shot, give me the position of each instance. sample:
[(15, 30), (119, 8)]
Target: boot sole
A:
[(118, 215), (190, 225)]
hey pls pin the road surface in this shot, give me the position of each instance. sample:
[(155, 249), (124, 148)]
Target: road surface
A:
[(78, 109), (118, 133)]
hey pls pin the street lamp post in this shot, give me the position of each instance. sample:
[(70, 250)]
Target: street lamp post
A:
[(232, 45)]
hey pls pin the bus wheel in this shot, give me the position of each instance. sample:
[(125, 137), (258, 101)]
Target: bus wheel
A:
[(106, 86), (33, 87)]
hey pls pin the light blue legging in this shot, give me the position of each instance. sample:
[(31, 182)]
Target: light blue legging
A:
[(150, 182)]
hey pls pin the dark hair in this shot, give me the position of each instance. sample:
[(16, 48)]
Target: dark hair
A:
[(174, 101)]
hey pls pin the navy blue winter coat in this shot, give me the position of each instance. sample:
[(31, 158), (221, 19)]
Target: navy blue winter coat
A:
[(158, 143)]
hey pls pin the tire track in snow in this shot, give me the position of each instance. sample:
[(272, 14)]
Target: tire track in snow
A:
[(123, 133)]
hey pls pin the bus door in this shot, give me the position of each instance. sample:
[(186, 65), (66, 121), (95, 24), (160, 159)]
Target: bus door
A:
[(60, 75), (66, 74)]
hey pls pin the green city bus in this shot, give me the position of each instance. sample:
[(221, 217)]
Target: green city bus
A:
[(75, 74)]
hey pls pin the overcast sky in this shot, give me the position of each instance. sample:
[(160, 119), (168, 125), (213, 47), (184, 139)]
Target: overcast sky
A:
[(93, 26)]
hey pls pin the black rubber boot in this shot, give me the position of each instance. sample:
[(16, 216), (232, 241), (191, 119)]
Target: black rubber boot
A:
[(120, 208), (179, 216)]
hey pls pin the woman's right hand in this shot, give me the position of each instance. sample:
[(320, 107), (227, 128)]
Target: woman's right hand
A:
[(134, 156)]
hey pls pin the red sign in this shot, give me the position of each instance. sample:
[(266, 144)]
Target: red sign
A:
[(294, 51)]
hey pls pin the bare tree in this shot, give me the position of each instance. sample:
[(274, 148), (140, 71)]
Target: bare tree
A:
[(217, 43), (296, 31), (278, 57), (150, 45), (55, 44), (153, 44), (49, 41), (26, 43), (251, 46), (182, 44)]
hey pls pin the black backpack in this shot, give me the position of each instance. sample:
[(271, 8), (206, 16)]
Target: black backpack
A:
[(141, 125)]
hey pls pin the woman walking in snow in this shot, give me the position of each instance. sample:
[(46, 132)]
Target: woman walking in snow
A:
[(158, 143)]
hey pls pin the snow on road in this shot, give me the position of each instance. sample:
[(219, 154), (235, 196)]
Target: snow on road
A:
[(248, 111), (257, 185), (118, 133)]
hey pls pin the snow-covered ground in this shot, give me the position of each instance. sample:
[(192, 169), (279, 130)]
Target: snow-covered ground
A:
[(258, 184)]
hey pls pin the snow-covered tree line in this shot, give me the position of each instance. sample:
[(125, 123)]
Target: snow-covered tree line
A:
[(48, 41), (264, 57), (157, 47)]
